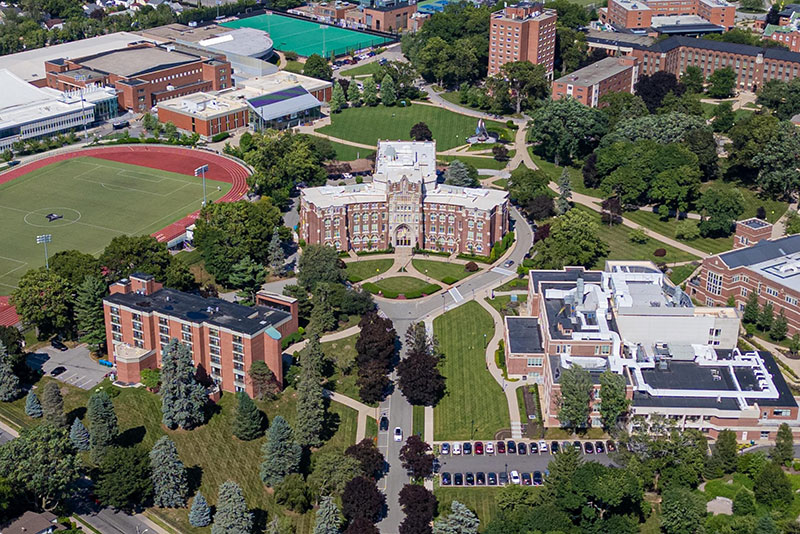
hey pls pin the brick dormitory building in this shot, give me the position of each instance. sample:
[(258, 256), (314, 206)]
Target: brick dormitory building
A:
[(678, 360), (522, 32), (224, 338)]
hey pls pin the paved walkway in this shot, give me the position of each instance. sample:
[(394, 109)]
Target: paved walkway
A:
[(779, 228), (363, 410)]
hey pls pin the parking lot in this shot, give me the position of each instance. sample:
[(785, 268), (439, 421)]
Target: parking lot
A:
[(81, 370), (507, 462)]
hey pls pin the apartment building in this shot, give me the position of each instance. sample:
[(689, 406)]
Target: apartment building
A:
[(678, 360), (390, 18), (587, 85), (522, 32), (639, 14), (225, 338)]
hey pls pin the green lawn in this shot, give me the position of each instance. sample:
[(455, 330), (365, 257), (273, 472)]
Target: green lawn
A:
[(774, 208), (475, 405), (681, 273), (362, 70), (502, 183), (482, 501), (652, 221), (730, 485), (418, 421), (372, 428), (477, 162), (575, 175), (342, 354), (98, 199), (621, 247), (368, 124), (709, 109), (500, 302), (294, 66), (440, 270), (401, 284), (349, 152), (515, 284), (210, 452), (361, 269)]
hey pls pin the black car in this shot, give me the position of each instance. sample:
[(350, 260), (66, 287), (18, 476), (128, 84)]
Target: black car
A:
[(503, 478), (384, 423), (512, 447), (56, 344), (537, 478), (480, 479), (554, 447), (577, 445), (491, 478), (120, 125), (589, 448), (534, 448), (446, 479), (522, 449), (610, 446), (58, 370), (526, 479), (598, 446), (467, 447), (458, 479), (470, 479)]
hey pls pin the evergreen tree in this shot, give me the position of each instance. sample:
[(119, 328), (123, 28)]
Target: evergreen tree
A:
[(338, 101), (310, 404), (89, 311), (328, 520), (370, 93), (275, 253), (79, 436), (200, 513), (32, 406), (751, 309), (461, 520), (765, 317), (281, 454), (744, 503), (248, 422), (614, 404), (564, 193), (103, 426), (232, 515), (779, 326), (766, 525), (576, 393), (388, 91), (170, 482), (354, 94), (9, 382), (322, 316), (247, 276), (183, 398), (784, 445), (724, 453), (53, 405)]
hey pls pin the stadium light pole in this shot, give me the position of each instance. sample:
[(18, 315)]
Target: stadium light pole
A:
[(44, 240), (323, 28), (83, 78), (201, 171)]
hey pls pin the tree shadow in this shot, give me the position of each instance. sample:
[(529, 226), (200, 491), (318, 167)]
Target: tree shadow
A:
[(76, 413), (132, 436), (211, 409), (194, 476), (260, 518), (330, 422)]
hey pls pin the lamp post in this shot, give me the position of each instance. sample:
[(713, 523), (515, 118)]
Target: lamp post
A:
[(83, 78), (44, 240), (323, 27), (201, 171)]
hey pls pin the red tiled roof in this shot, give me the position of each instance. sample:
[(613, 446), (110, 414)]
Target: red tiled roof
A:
[(8, 313)]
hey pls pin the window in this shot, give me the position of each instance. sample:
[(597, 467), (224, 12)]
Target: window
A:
[(535, 362), (186, 337), (781, 413), (714, 283), (791, 300), (770, 291), (186, 328), (163, 321), (743, 292)]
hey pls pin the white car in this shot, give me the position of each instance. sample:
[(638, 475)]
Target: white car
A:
[(456, 449), (489, 448), (543, 446), (398, 434), (514, 477)]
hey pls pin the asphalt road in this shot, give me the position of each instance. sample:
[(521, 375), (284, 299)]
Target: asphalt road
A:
[(402, 314)]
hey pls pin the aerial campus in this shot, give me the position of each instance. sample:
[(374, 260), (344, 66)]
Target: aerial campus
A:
[(400, 267)]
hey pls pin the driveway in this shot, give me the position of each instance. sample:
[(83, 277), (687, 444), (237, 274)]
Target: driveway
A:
[(82, 370)]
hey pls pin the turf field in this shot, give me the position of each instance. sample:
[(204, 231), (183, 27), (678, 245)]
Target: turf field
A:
[(306, 37), (98, 200)]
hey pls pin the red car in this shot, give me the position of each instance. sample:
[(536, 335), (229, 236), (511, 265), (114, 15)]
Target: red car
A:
[(501, 447), (478, 447)]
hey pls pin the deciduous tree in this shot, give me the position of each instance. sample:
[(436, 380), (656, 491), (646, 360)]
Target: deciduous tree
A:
[(183, 398), (125, 255), (419, 507), (170, 482), (416, 457), (720, 207), (421, 132), (43, 300), (576, 393), (418, 373), (319, 264), (722, 83), (317, 67), (371, 460), (564, 130), (653, 88), (772, 486), (692, 79), (527, 82), (614, 405), (232, 515), (682, 511), (574, 240), (124, 480), (362, 499)]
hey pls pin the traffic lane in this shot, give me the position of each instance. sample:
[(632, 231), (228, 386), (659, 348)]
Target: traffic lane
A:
[(497, 463)]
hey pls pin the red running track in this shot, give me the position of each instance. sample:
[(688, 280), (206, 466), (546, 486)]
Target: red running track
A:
[(167, 158)]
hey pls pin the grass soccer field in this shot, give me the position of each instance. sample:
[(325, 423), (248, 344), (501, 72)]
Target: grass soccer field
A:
[(306, 37), (98, 200)]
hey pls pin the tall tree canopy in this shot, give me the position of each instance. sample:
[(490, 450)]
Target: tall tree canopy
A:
[(564, 130)]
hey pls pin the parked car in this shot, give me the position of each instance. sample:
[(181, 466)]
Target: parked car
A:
[(501, 447), (538, 480), (522, 448), (478, 447), (445, 449), (489, 447), (467, 447), (57, 344), (58, 370), (470, 479), (543, 446), (611, 446), (526, 479), (456, 449), (554, 447), (384, 424), (491, 479), (534, 448), (598, 446), (502, 478), (398, 434), (589, 448), (578, 446), (458, 479), (511, 447), (515, 477), (446, 479), (480, 478)]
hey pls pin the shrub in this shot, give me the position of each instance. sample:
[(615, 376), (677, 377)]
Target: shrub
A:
[(471, 267), (359, 179), (687, 229), (796, 465), (511, 126), (220, 137), (291, 339), (449, 280), (638, 236), (660, 253), (291, 55)]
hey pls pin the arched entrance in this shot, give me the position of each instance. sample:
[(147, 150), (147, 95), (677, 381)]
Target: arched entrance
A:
[(403, 236)]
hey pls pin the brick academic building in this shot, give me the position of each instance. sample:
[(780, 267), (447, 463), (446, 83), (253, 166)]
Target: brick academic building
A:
[(224, 338)]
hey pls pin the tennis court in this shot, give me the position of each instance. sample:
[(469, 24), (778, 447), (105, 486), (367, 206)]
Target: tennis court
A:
[(307, 37)]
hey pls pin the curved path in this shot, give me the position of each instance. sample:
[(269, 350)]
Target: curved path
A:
[(181, 160)]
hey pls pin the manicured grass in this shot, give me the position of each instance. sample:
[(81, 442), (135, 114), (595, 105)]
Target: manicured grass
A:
[(368, 124), (418, 422), (502, 183), (478, 163), (774, 208), (453, 97), (475, 405), (482, 501), (501, 301), (294, 66), (99, 199), (515, 284), (709, 109), (342, 350), (372, 428), (652, 221), (523, 413), (730, 485), (680, 273), (401, 284), (349, 152), (363, 269), (361, 70), (575, 175), (621, 247), (440, 270)]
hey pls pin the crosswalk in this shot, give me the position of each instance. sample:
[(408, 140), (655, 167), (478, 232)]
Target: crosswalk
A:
[(504, 272), (457, 297)]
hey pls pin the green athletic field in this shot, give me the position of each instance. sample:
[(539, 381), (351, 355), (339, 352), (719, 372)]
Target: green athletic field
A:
[(98, 199), (306, 37)]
